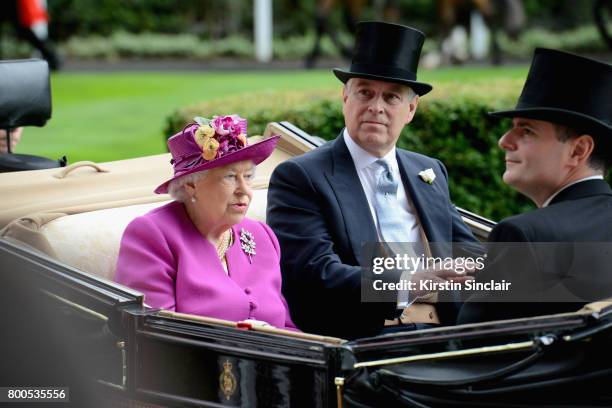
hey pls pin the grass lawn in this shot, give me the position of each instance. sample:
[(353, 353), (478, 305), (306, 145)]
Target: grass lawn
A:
[(112, 116)]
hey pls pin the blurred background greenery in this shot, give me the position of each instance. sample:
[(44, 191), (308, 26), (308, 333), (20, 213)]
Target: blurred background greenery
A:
[(111, 110), (203, 29)]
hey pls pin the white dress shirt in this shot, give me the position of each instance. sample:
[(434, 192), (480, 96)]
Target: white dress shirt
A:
[(367, 170)]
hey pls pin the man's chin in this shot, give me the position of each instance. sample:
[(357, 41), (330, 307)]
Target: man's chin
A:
[(509, 178), (374, 137), (374, 131)]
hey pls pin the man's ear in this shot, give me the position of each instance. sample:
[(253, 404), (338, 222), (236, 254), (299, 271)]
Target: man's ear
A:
[(412, 108), (581, 149), (345, 92)]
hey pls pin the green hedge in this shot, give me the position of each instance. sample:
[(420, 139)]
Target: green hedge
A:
[(581, 40), (451, 124), (122, 44), (217, 18)]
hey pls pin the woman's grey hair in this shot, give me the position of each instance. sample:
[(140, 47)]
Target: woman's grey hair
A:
[(176, 188)]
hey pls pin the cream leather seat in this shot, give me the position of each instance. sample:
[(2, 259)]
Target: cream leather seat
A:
[(89, 241)]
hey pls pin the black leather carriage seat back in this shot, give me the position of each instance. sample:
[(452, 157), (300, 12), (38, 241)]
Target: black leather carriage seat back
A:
[(25, 93), (25, 100)]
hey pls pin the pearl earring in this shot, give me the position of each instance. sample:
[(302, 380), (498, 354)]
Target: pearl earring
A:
[(193, 199)]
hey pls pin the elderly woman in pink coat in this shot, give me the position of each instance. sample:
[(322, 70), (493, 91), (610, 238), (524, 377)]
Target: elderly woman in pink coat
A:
[(199, 254)]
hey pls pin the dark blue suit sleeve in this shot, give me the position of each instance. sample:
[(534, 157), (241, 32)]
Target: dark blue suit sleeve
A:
[(509, 258), (297, 217)]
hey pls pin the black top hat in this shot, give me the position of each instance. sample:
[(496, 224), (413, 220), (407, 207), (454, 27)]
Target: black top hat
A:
[(386, 52), (569, 90)]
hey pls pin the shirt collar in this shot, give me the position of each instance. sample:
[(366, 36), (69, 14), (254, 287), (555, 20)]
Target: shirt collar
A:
[(362, 158), (547, 202)]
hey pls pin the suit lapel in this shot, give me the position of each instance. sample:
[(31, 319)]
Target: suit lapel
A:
[(343, 178), (427, 199)]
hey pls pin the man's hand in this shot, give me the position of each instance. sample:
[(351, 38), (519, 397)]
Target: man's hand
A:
[(15, 138), (428, 281)]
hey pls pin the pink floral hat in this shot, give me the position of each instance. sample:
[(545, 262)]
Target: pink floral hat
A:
[(215, 142)]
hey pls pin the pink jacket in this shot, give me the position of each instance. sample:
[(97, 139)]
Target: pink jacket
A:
[(164, 256)]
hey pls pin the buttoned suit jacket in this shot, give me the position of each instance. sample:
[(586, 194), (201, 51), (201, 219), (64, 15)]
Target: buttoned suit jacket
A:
[(164, 256), (548, 278), (318, 209)]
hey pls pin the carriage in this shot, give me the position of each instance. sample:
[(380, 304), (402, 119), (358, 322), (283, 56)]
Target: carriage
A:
[(66, 322)]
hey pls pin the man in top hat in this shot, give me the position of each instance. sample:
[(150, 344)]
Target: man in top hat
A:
[(359, 188), (558, 151)]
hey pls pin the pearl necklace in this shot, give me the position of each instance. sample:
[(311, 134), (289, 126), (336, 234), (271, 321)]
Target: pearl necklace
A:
[(224, 244)]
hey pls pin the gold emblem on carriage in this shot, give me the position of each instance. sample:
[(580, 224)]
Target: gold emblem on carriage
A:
[(227, 380)]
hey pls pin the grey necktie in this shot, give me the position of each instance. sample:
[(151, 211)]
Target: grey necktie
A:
[(392, 229), (386, 205)]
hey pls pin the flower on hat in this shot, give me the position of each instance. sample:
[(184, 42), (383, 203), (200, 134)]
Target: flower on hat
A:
[(202, 134), (220, 135), (210, 149)]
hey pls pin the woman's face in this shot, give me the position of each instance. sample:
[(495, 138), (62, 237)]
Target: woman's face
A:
[(223, 195)]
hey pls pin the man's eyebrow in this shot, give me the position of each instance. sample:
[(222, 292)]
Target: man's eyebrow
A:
[(524, 123)]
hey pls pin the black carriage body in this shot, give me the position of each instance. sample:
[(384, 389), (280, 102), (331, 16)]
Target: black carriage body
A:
[(191, 363), (134, 353), (126, 352)]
